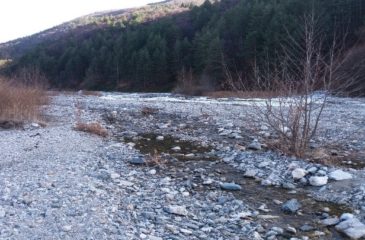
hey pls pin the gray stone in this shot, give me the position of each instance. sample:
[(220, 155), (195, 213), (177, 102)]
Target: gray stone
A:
[(339, 175), (177, 210), (291, 206), (306, 228), (298, 173), (330, 221), (318, 181), (251, 173), (255, 146), (137, 160), (352, 227), (230, 186)]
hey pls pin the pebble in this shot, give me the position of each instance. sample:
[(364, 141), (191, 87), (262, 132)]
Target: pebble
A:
[(230, 186), (318, 181), (137, 160), (298, 173), (160, 138), (256, 146), (339, 175), (291, 206), (177, 210)]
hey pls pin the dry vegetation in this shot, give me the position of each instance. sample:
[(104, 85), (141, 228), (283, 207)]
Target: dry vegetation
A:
[(93, 128), (20, 102), (89, 127)]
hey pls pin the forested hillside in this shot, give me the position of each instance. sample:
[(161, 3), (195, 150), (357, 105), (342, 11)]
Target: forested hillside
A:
[(153, 50)]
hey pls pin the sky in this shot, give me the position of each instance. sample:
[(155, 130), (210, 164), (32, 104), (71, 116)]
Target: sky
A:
[(20, 18)]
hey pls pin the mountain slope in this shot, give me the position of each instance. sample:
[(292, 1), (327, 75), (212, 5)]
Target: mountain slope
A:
[(173, 43), (16, 48)]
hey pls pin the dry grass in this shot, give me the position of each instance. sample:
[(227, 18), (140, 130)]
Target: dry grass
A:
[(92, 128), (156, 159), (20, 102), (146, 111)]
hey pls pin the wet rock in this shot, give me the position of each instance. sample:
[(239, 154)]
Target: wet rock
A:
[(256, 146), (306, 228), (339, 175), (176, 149), (352, 227), (137, 160), (291, 206), (318, 181), (177, 210), (251, 173), (298, 173), (346, 216), (330, 221), (230, 186), (160, 138)]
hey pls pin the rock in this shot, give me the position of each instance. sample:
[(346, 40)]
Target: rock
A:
[(306, 228), (114, 175), (339, 175), (230, 186), (255, 146), (67, 228), (137, 160), (292, 230), (312, 170), (160, 138), (277, 230), (125, 183), (190, 155), (152, 171), (346, 216), (176, 149), (330, 221), (298, 173), (318, 181), (35, 125), (264, 164), (352, 227), (177, 210), (2, 212), (251, 173), (291, 206)]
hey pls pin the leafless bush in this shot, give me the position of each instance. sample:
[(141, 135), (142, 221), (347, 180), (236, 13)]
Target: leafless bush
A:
[(305, 67)]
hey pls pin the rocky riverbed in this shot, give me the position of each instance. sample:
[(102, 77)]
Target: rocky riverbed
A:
[(176, 167)]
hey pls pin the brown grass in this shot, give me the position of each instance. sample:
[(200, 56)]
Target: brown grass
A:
[(92, 128), (20, 102)]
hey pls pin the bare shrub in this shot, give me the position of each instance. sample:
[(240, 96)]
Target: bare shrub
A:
[(94, 128), (20, 102), (305, 67)]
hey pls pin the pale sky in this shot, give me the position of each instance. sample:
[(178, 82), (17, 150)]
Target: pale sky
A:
[(20, 18)]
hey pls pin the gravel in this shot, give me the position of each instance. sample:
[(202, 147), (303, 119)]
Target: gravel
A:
[(58, 183)]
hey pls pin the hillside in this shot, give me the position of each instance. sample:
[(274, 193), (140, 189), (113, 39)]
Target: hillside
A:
[(174, 43), (16, 48)]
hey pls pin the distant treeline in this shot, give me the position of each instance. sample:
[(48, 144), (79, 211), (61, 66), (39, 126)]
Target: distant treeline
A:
[(204, 42)]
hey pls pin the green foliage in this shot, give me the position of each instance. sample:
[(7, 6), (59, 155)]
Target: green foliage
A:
[(147, 51)]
